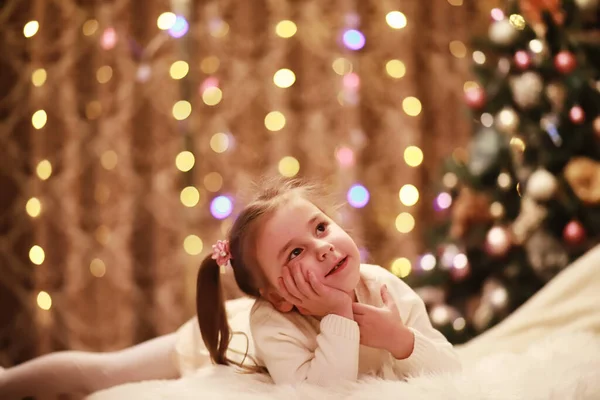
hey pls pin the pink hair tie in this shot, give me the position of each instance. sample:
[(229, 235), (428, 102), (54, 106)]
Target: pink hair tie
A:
[(221, 253)]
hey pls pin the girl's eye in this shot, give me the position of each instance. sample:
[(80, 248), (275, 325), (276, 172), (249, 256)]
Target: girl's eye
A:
[(295, 253), (322, 227)]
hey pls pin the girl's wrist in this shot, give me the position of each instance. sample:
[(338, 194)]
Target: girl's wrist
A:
[(344, 310), (403, 344)]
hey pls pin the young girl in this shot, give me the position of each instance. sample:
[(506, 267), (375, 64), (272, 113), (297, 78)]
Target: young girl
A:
[(319, 315)]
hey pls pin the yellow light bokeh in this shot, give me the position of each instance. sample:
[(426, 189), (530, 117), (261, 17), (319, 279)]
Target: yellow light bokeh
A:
[(405, 222), (458, 49), (179, 69), (33, 207), (401, 267), (181, 110), (517, 143), (193, 245), (409, 195), (166, 21), (44, 169), (469, 85), (479, 57), (89, 27), (212, 96), (37, 255), (210, 64), (97, 268), (104, 74), (31, 28), (517, 21), (93, 110), (213, 181), (342, 66), (275, 121), (395, 68), (109, 159), (413, 156), (450, 180), (189, 196), (455, 3), (219, 142), (38, 77), (39, 119), (286, 29), (411, 106), (44, 301), (396, 20), (289, 166), (284, 78), (185, 161), (220, 29)]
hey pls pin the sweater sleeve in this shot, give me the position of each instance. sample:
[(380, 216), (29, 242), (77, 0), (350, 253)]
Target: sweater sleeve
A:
[(432, 353), (283, 347)]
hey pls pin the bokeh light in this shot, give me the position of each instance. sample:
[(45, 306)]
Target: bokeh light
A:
[(180, 27), (405, 222), (44, 301), (210, 64), (275, 121), (351, 81), (33, 207), (109, 159), (401, 267), (413, 156), (97, 268), (286, 29), (289, 166), (93, 109), (212, 96), (31, 28), (104, 74), (517, 21), (411, 106), (536, 46), (354, 39), (193, 245), (109, 39), (218, 28), (38, 77), (213, 181), (185, 161), (497, 14), (345, 156), (409, 195), (358, 196), (395, 68), (342, 66), (458, 49), (443, 201), (90, 27), (284, 78), (219, 142), (479, 57), (221, 207), (166, 21), (179, 69), (455, 3), (395, 19), (427, 262), (189, 196), (181, 110), (37, 255), (44, 169), (39, 119), (487, 119), (450, 180)]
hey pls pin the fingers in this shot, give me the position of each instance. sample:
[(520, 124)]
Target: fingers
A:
[(290, 284), (387, 297), (303, 286), (316, 285), (362, 309), (285, 293)]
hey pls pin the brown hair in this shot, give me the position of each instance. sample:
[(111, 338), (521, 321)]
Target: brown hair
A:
[(210, 302)]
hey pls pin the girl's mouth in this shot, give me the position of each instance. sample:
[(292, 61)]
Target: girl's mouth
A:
[(338, 267)]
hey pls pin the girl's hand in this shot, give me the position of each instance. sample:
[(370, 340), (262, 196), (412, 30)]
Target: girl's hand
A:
[(383, 328), (311, 296)]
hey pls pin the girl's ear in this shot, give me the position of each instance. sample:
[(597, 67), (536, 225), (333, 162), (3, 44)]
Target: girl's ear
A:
[(281, 304)]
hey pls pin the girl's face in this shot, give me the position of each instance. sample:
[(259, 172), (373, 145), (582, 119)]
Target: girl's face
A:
[(298, 234)]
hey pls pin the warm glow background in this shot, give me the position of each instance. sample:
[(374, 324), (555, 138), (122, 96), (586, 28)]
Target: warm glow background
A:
[(129, 131)]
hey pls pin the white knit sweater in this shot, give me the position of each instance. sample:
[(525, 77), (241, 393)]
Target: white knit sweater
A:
[(296, 348)]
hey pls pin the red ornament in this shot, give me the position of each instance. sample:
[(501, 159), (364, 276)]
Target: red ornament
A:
[(577, 115), (522, 59), (565, 62), (475, 97), (574, 233)]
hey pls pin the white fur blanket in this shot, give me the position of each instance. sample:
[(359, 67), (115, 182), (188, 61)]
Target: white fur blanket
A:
[(564, 366)]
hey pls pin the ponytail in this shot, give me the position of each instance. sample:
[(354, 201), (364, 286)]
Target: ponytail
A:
[(210, 307)]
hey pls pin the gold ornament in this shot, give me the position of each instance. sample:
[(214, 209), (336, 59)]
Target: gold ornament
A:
[(583, 175)]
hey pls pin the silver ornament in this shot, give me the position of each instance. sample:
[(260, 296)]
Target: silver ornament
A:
[(507, 120), (542, 185), (527, 89), (546, 254), (503, 32)]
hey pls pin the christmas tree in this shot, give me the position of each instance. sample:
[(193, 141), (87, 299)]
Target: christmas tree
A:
[(524, 200)]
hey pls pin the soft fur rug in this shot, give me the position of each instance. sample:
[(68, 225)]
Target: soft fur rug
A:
[(561, 367)]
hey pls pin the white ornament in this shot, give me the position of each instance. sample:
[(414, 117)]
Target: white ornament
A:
[(587, 5), (507, 120), (542, 185), (502, 32), (527, 89)]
